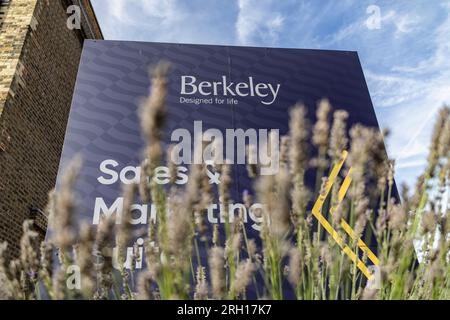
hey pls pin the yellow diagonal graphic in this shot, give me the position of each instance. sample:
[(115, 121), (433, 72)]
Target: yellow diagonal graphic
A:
[(327, 226), (342, 191)]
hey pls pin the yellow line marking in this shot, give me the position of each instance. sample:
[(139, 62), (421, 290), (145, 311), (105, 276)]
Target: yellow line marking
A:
[(316, 210)]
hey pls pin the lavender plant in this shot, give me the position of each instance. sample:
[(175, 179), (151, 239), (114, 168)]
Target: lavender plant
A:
[(296, 251)]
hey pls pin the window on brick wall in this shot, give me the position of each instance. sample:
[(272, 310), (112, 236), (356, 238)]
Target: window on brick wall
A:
[(3, 7)]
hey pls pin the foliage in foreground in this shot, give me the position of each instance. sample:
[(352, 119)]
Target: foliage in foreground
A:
[(296, 251)]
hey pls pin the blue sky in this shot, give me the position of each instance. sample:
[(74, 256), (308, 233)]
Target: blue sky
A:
[(405, 53)]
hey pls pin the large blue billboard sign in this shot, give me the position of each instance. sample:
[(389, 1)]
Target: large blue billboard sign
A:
[(221, 90)]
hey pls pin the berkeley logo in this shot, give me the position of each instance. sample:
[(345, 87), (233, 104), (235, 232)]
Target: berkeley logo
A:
[(267, 91)]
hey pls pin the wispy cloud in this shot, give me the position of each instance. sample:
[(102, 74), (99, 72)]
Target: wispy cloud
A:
[(258, 21), (193, 21), (407, 68), (412, 93)]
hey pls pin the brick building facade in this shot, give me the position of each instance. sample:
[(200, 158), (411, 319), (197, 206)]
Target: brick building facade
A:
[(39, 56)]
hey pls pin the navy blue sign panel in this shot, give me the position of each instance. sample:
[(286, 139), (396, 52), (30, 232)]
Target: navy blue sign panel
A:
[(210, 87)]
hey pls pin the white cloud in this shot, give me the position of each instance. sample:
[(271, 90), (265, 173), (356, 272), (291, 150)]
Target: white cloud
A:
[(258, 20), (167, 10), (348, 31), (193, 21), (116, 8), (158, 10)]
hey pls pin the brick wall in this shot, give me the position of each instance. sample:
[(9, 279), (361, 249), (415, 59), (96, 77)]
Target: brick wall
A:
[(39, 59)]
